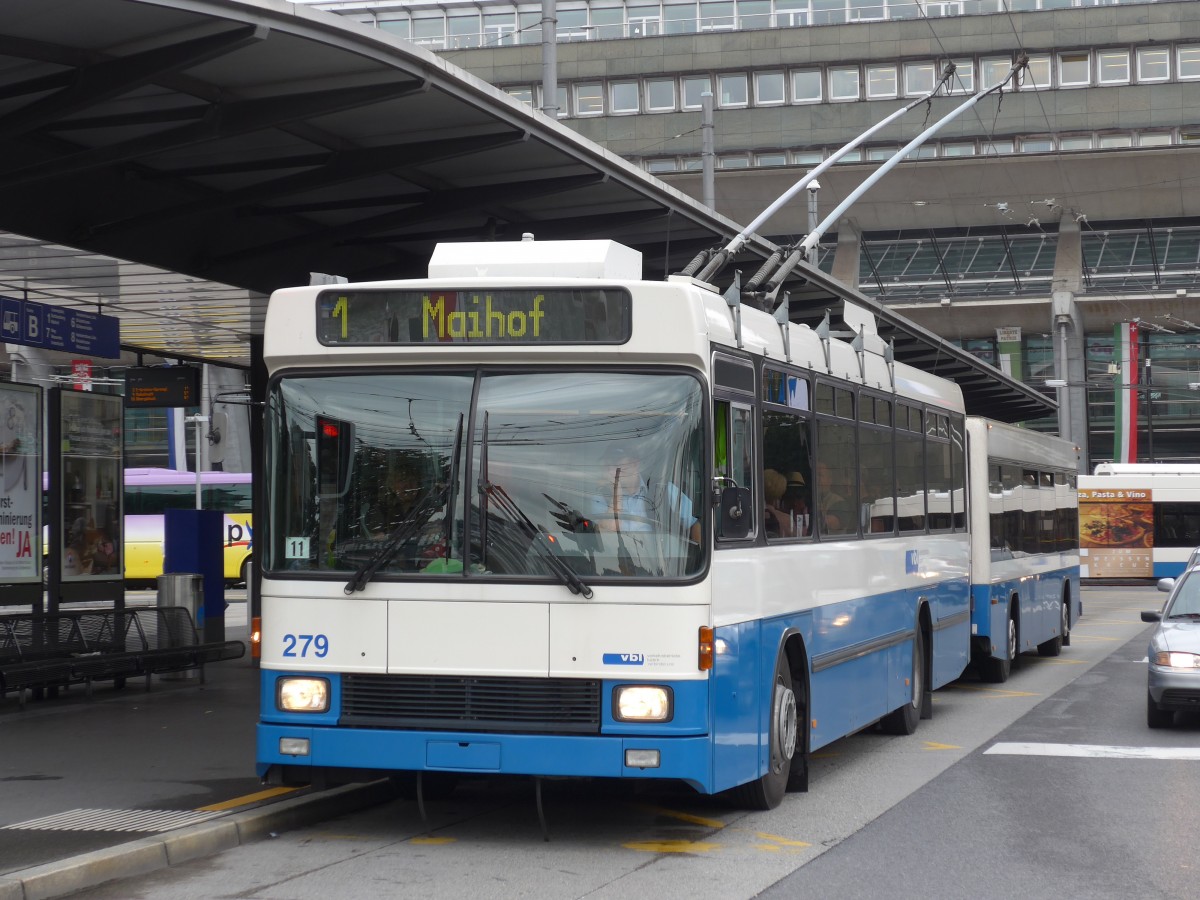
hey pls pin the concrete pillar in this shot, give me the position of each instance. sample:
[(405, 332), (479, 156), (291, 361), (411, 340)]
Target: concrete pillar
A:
[(1070, 362)]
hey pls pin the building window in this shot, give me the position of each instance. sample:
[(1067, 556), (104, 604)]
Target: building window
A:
[(768, 88), (1153, 64), (1111, 141), (660, 94), (1112, 66), (791, 13), (693, 164), (807, 157), (770, 159), (1155, 139), (881, 82), (464, 30), (851, 156), (1187, 61), (1074, 69), (623, 97), (561, 95), (806, 86), (692, 89), (529, 29), (1078, 142), (958, 148), (608, 23), (499, 29), (1037, 145), (997, 148), (963, 79), (881, 154), (524, 94), (754, 13), (734, 161), (589, 99), (919, 78), (993, 70), (399, 27), (679, 18), (656, 166), (843, 83), (1036, 76), (733, 89), (429, 30), (572, 25), (716, 15), (925, 151)]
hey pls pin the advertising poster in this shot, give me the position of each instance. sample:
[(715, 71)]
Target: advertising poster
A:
[(1116, 528), (92, 484), (20, 483)]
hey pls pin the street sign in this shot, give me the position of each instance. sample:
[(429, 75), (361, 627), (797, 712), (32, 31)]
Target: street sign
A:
[(58, 328), (147, 386)]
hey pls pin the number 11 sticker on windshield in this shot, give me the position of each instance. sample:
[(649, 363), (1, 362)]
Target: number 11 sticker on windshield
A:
[(296, 548)]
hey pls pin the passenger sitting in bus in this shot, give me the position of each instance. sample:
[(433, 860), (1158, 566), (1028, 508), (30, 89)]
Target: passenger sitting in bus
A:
[(837, 515), (776, 521), (628, 504), (795, 504)]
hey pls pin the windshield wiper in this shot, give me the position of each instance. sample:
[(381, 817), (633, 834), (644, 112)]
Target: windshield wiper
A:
[(538, 538), (431, 501)]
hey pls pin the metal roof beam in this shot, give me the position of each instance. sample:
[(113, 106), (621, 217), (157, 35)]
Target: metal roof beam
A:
[(223, 120), (88, 85)]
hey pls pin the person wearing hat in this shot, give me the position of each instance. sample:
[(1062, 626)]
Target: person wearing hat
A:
[(777, 521), (795, 504)]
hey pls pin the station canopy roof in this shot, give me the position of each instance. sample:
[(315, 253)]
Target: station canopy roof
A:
[(196, 156)]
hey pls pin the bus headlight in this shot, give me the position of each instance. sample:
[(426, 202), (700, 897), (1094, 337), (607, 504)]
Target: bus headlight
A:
[(642, 703), (303, 694)]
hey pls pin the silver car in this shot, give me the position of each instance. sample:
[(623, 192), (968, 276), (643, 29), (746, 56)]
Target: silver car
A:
[(1174, 654)]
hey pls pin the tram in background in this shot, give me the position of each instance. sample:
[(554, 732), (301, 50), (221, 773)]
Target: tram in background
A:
[(150, 492), (1138, 520), (536, 516)]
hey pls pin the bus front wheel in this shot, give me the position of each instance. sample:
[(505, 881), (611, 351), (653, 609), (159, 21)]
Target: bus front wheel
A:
[(767, 792)]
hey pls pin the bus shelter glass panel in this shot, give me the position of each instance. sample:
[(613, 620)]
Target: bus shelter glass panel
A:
[(92, 486)]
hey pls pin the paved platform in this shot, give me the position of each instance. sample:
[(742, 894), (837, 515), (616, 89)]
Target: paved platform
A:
[(129, 780)]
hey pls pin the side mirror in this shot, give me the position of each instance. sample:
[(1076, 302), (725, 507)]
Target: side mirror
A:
[(734, 519), (1150, 615), (1165, 584)]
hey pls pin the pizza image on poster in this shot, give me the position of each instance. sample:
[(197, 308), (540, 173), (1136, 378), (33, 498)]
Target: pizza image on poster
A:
[(1116, 525)]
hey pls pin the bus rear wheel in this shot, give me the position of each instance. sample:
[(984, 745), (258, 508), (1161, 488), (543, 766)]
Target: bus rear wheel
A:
[(905, 719), (1053, 647), (996, 671), (767, 792)]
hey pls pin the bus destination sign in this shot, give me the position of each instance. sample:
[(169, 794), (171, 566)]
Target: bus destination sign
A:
[(477, 316)]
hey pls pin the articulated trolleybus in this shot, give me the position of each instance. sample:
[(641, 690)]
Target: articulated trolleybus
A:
[(535, 516)]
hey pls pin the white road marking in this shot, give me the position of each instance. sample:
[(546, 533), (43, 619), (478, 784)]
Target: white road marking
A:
[(1094, 751)]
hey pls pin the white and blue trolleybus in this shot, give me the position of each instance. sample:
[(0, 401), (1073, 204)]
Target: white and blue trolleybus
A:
[(535, 516)]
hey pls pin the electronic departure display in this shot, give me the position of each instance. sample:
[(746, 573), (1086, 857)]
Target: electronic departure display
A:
[(476, 316)]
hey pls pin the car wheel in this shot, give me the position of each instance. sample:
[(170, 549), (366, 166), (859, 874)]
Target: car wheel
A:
[(767, 792), (905, 719), (1158, 718)]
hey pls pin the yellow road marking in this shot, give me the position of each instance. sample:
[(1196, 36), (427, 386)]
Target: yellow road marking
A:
[(671, 846), (780, 841), (1085, 638), (433, 840), (249, 798), (685, 817), (999, 692), (933, 745)]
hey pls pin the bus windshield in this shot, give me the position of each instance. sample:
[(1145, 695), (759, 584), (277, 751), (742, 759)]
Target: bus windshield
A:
[(563, 476)]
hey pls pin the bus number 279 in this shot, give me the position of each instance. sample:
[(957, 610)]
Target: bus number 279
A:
[(301, 644)]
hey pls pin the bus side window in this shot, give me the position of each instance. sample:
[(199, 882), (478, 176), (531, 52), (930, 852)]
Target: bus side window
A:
[(734, 456)]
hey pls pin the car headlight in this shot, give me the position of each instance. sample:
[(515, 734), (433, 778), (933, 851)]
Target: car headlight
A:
[(642, 703), (303, 694), (1173, 659)]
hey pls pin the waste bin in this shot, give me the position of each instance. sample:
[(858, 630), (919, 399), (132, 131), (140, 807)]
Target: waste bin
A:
[(175, 590)]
